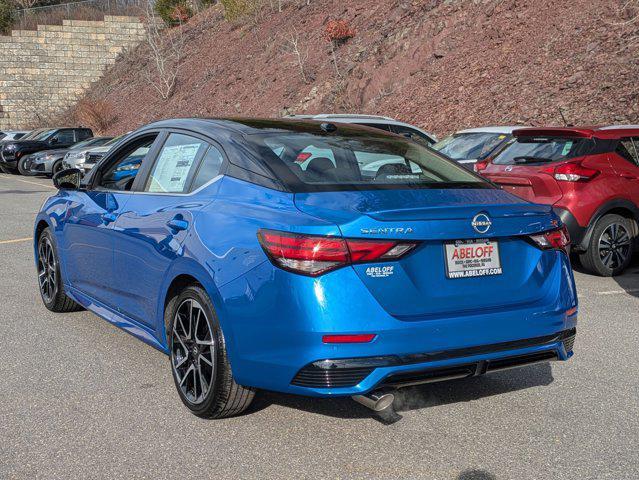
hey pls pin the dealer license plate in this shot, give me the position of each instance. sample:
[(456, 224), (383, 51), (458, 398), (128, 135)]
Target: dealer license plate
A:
[(472, 258)]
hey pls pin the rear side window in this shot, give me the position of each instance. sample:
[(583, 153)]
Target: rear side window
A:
[(627, 148), (176, 163), (543, 150), (312, 162), (209, 168), (413, 134)]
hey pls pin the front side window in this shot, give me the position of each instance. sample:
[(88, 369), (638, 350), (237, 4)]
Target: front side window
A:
[(309, 161), (470, 146), (531, 150), (176, 163), (121, 172), (64, 137)]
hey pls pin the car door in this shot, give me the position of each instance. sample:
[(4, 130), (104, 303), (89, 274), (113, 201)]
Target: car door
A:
[(151, 230), (88, 228)]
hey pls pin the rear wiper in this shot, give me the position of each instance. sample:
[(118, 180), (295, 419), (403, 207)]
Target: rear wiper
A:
[(525, 159)]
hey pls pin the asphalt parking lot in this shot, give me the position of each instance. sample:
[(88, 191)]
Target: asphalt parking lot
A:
[(81, 399)]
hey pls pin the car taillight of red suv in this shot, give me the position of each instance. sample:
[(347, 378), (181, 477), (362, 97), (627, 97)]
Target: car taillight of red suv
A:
[(590, 176)]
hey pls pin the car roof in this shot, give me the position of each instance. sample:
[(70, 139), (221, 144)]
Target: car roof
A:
[(345, 117), (249, 126), (604, 132), (505, 129)]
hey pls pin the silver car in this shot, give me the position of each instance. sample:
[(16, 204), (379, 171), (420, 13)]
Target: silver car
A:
[(86, 158), (50, 162)]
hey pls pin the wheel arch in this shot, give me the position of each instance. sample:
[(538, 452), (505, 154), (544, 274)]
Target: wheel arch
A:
[(620, 206), (40, 225), (180, 275)]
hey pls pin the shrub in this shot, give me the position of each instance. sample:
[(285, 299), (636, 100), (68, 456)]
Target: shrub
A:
[(235, 9), (7, 16), (173, 12), (338, 31), (95, 114)]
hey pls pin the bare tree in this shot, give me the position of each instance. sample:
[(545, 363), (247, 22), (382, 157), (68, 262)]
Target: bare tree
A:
[(165, 49), (25, 3), (300, 55)]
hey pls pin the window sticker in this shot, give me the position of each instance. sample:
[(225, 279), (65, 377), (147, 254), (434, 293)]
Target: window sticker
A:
[(567, 148), (172, 168)]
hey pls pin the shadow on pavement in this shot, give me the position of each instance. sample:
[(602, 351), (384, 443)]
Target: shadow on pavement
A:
[(629, 281), (476, 475), (413, 398)]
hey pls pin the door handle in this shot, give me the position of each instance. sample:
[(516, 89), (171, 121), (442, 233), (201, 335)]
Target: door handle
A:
[(177, 224), (629, 176), (109, 218)]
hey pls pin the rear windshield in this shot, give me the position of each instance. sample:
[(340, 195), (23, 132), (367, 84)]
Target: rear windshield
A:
[(543, 150), (312, 162), (470, 146)]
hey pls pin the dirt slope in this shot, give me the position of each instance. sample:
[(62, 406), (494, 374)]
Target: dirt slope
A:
[(442, 65)]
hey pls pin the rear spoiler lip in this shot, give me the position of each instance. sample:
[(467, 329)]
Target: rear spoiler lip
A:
[(554, 132)]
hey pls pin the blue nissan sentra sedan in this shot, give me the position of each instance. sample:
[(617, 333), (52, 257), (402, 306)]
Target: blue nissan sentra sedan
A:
[(304, 257)]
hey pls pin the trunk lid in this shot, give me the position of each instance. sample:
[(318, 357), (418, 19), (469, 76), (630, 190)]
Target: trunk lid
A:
[(418, 285)]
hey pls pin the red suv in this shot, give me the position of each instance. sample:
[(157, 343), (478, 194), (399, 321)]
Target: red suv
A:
[(591, 177)]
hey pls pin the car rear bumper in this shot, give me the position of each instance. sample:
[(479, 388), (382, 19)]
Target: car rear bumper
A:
[(576, 231), (357, 375), (275, 340)]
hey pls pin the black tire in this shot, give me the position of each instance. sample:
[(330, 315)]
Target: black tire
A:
[(22, 168), (224, 398), (49, 280), (610, 247), (57, 167), (6, 169)]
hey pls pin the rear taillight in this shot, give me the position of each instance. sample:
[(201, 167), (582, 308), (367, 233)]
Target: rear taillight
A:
[(558, 239), (480, 166), (314, 254), (571, 172)]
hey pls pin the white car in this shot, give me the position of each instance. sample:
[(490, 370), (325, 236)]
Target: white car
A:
[(383, 123), (86, 158), (472, 146)]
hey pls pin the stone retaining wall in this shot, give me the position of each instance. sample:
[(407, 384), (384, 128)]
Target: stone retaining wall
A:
[(46, 70)]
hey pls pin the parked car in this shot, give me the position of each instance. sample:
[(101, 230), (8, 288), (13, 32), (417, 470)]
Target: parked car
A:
[(45, 139), (50, 162), (251, 271), (473, 146), (8, 135), (86, 158), (383, 123), (590, 176)]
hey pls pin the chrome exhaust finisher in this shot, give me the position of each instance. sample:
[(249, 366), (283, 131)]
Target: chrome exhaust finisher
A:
[(377, 401)]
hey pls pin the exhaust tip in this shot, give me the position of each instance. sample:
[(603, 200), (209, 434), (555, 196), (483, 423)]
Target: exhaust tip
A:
[(376, 401)]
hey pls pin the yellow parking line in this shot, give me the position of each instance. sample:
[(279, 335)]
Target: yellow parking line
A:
[(17, 240), (6, 177)]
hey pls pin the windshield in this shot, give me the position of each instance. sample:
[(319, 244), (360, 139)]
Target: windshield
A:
[(542, 150), (91, 142), (470, 146), (42, 134), (307, 161), (112, 141)]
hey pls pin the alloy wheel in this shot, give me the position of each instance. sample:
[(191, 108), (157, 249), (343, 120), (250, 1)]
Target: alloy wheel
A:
[(47, 273), (614, 246), (193, 351)]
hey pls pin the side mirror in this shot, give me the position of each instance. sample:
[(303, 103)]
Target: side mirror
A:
[(68, 179), (53, 141)]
